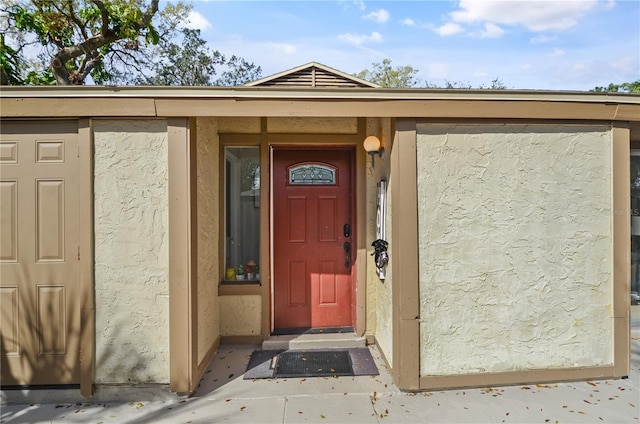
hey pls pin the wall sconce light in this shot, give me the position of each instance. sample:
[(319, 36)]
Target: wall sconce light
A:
[(373, 146)]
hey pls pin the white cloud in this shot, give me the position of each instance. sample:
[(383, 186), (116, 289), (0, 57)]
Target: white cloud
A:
[(359, 39), (449, 29), (379, 15), (347, 4), (491, 30), (536, 15), (557, 53), (408, 22), (542, 39), (283, 48), (198, 21)]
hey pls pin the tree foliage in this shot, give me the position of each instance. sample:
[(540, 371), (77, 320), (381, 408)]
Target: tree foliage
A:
[(385, 75), (9, 64), (77, 37), (110, 42), (190, 61), (625, 87)]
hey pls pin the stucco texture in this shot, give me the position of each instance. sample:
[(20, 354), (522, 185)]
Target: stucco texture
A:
[(515, 247), (240, 315), (208, 308), (379, 292), (131, 251)]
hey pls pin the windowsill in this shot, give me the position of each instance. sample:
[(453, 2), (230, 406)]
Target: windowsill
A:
[(239, 287), (238, 282)]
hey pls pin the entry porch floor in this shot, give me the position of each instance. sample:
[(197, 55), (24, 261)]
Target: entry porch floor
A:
[(224, 396)]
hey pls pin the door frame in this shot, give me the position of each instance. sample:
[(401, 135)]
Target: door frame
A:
[(347, 150), (273, 141)]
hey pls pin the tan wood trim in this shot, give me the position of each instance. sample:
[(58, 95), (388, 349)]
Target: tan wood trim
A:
[(87, 303), (392, 108), (240, 289), (196, 372), (239, 139), (181, 338), (244, 93), (358, 213), (265, 231), (221, 205), (282, 139), (621, 249), (404, 253), (515, 378), (70, 107), (206, 360), (232, 340), (513, 121), (360, 217), (382, 354)]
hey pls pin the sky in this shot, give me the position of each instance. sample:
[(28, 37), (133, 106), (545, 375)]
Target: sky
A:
[(526, 44)]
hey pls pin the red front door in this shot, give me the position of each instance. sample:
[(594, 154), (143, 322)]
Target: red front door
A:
[(312, 238)]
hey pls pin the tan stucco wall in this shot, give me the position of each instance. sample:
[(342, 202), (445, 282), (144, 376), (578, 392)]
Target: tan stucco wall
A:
[(239, 125), (379, 299), (131, 251), (240, 315), (515, 245), (208, 176)]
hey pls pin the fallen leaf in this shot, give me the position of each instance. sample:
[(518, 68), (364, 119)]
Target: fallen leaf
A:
[(243, 408), (591, 382), (322, 416)]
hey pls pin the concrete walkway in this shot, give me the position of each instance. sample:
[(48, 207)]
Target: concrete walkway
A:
[(223, 396)]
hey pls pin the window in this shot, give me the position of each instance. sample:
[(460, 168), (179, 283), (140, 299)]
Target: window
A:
[(242, 213), (312, 174)]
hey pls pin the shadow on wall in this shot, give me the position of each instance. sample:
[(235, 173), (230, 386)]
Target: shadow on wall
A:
[(40, 340), (40, 332)]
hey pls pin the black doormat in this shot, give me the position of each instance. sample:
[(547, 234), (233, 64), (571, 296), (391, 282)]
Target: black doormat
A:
[(310, 363), (319, 363)]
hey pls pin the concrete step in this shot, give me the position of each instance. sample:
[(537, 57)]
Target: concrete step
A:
[(314, 341)]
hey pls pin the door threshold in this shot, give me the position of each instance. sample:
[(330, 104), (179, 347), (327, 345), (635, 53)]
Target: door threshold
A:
[(312, 330), (314, 341)]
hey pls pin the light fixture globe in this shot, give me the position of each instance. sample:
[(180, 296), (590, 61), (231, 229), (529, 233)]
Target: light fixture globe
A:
[(372, 144), (373, 147)]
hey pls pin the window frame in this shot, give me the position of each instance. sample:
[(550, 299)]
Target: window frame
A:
[(238, 141)]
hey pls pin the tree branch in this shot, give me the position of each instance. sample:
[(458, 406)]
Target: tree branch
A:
[(91, 44)]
